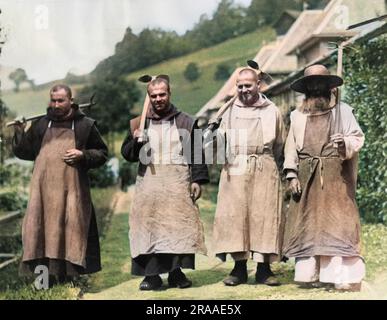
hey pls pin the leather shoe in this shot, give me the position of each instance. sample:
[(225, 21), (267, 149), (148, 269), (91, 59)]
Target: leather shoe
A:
[(234, 280), (177, 279), (151, 283)]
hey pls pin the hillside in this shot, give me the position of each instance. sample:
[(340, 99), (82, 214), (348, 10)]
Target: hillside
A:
[(187, 96)]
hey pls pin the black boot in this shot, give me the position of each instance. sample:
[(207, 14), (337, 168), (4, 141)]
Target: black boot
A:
[(264, 275), (177, 279), (151, 283), (238, 275)]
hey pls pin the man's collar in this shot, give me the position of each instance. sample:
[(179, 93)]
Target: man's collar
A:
[(262, 101)]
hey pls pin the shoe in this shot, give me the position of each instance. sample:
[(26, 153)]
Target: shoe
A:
[(234, 280), (151, 283), (238, 275), (264, 275), (177, 279), (269, 280)]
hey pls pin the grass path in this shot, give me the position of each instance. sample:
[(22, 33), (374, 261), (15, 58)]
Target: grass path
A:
[(115, 281)]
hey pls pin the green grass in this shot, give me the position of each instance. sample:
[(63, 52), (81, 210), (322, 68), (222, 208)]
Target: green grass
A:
[(115, 282), (115, 256), (189, 97), (13, 287)]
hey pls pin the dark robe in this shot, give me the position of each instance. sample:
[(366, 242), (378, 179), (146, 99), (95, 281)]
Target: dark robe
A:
[(27, 146), (153, 264)]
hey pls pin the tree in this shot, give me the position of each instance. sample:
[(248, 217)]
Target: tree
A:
[(266, 12), (115, 98), (365, 72), (222, 71), (191, 72), (18, 76)]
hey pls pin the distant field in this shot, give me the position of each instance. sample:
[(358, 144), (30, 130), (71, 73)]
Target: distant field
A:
[(189, 97)]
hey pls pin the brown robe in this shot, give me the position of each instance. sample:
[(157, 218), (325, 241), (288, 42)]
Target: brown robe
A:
[(56, 223), (48, 245), (248, 216), (325, 220)]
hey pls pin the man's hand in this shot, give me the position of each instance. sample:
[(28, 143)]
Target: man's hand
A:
[(196, 191), (213, 124), (73, 156), (295, 186), (137, 133), (338, 140), (20, 125)]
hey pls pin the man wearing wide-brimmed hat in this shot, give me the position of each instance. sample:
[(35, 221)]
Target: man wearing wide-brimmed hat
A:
[(248, 215), (323, 228)]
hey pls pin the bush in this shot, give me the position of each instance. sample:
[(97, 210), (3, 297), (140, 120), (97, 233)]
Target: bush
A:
[(365, 72), (191, 72), (13, 175), (102, 177), (12, 200), (222, 71), (128, 173)]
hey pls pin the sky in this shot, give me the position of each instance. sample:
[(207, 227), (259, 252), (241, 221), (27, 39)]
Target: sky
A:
[(48, 38)]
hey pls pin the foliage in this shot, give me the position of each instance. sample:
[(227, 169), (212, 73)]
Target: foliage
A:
[(128, 173), (18, 76), (223, 71), (191, 72), (365, 90), (12, 200), (13, 175), (233, 52), (228, 21), (115, 97), (102, 177)]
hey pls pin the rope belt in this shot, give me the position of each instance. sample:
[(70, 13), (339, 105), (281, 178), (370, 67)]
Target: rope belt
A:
[(254, 157), (254, 160), (320, 166)]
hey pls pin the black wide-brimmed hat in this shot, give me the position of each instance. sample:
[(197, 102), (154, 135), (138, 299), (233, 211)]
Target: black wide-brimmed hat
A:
[(319, 72)]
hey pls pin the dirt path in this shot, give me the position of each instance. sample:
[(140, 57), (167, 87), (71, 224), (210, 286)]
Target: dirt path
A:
[(122, 200)]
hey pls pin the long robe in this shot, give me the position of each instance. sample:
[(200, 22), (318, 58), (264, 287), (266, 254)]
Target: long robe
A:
[(325, 220), (58, 233), (248, 216), (165, 230)]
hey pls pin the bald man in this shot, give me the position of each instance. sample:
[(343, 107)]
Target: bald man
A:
[(248, 214)]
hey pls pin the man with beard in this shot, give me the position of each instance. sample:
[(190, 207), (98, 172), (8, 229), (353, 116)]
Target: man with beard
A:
[(165, 229), (323, 228), (59, 228), (248, 214)]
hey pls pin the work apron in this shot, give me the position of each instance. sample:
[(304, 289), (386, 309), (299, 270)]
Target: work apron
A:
[(57, 219), (248, 213), (164, 218), (325, 220)]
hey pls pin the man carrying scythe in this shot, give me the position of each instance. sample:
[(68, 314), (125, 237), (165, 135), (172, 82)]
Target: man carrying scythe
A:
[(248, 216), (59, 228), (323, 227), (165, 229)]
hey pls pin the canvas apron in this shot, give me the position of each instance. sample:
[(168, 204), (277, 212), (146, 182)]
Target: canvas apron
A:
[(58, 214), (325, 220), (248, 213), (164, 218)]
